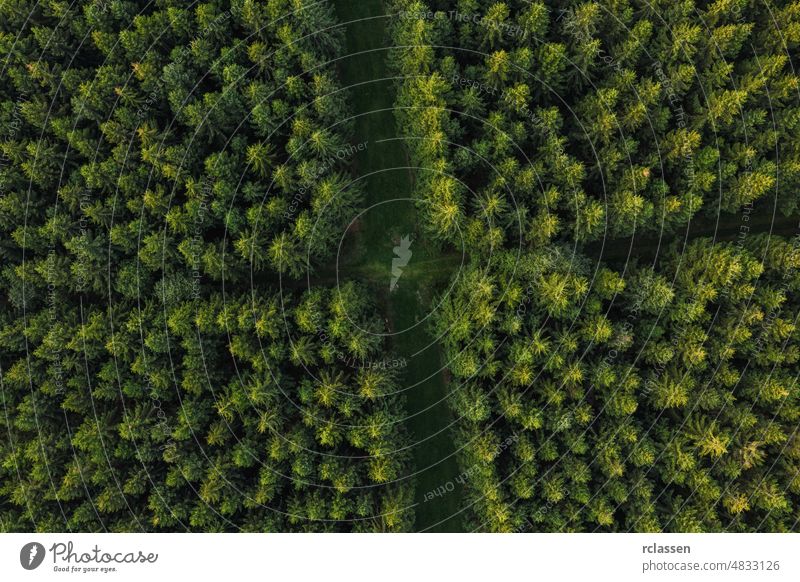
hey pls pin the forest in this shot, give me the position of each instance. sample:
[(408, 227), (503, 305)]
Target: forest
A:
[(400, 266)]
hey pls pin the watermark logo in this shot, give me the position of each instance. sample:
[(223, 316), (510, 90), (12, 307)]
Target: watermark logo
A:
[(400, 261), (31, 555)]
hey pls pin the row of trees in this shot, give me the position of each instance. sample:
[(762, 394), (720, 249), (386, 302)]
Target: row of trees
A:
[(645, 398), (664, 400), (221, 414), (161, 162), (578, 120), (170, 124)]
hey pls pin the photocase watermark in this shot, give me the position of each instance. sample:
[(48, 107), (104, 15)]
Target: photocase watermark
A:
[(400, 261), (52, 312), (680, 117), (11, 131), (196, 242), (747, 210), (467, 82), (31, 555), (65, 558), (351, 361), (82, 269), (504, 28), (384, 364), (53, 278)]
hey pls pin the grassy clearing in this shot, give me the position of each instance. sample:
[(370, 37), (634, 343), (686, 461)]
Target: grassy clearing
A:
[(368, 252)]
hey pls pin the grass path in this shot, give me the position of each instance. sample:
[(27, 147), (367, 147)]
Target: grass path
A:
[(368, 251), (728, 227)]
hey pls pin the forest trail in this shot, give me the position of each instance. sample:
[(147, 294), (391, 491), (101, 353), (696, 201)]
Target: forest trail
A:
[(403, 275), (649, 247)]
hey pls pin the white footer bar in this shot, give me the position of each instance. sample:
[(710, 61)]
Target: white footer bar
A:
[(400, 557)]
